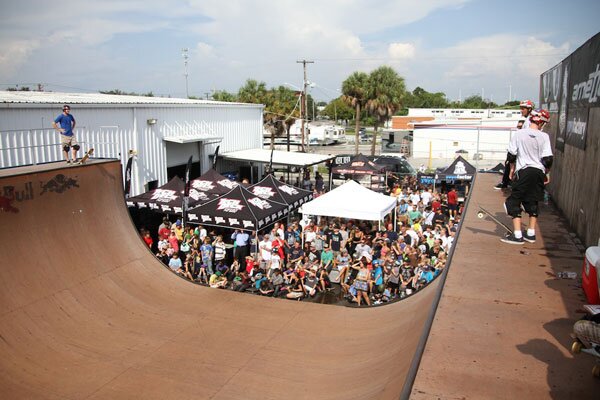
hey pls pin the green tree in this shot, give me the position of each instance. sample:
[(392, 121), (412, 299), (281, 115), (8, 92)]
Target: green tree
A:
[(385, 96), (282, 107), (476, 101), (223, 95), (421, 98), (355, 93), (253, 91), (338, 109)]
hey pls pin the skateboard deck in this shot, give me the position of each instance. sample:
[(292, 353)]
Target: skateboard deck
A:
[(483, 212), (86, 156)]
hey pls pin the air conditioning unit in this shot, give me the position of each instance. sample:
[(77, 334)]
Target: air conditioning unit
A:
[(478, 156)]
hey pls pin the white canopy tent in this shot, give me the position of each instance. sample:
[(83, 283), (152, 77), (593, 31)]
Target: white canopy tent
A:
[(351, 200)]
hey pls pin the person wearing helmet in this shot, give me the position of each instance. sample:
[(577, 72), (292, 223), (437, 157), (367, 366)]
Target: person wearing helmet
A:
[(530, 156), (525, 106)]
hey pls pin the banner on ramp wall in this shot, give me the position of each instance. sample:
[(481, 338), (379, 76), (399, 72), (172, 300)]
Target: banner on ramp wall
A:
[(584, 90)]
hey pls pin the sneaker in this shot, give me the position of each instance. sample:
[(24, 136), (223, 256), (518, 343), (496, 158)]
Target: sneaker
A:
[(499, 186), (528, 238), (68, 162), (511, 239)]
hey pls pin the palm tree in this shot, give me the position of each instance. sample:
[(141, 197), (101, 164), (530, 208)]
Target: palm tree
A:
[(385, 97), (355, 90), (253, 91)]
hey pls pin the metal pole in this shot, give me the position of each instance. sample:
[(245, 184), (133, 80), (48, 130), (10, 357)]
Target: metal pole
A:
[(305, 101), (477, 156)]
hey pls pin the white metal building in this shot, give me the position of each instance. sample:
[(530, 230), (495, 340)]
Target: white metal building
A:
[(485, 143), (457, 113), (164, 132)]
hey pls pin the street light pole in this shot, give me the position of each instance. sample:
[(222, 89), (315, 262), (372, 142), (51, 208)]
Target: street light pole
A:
[(305, 102), (185, 73)]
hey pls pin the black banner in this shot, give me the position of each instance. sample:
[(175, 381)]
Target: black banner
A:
[(561, 131), (584, 90), (128, 176), (550, 88)]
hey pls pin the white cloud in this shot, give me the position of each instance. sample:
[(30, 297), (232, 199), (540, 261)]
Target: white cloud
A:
[(14, 53), (497, 61), (401, 50)]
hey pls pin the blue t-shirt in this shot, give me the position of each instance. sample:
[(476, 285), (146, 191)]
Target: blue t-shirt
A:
[(65, 122), (205, 250), (428, 276), (378, 275)]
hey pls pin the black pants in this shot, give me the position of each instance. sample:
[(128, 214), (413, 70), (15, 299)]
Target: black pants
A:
[(240, 253)]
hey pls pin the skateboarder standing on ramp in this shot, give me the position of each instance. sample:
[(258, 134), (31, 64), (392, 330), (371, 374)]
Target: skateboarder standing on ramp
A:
[(64, 124), (526, 106), (530, 157)]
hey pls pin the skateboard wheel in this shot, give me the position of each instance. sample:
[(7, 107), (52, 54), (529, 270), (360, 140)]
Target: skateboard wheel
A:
[(576, 347), (480, 215), (596, 371)]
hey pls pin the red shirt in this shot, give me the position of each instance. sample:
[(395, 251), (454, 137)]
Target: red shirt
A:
[(164, 233), (452, 198), (279, 244), (435, 205), (148, 240)]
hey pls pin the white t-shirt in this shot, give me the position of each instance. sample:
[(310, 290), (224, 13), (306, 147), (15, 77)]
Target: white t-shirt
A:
[(526, 122), (530, 145), (415, 198), (310, 236), (426, 197), (265, 249)]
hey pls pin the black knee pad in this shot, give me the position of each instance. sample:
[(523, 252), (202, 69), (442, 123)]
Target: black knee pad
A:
[(76, 147), (66, 147), (531, 208), (513, 207)]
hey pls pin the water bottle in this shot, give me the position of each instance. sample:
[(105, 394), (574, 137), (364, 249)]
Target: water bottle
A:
[(546, 197)]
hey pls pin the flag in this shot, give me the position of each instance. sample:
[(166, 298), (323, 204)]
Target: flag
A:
[(215, 158), (188, 170), (128, 176), (270, 169)]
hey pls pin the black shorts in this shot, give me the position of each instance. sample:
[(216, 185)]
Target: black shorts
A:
[(528, 185)]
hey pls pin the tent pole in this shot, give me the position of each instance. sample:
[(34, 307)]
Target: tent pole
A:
[(396, 217)]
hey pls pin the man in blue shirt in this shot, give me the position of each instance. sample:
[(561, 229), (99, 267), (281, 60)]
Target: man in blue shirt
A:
[(241, 244), (64, 124)]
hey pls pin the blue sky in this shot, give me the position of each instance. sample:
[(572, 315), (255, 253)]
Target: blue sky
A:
[(454, 46)]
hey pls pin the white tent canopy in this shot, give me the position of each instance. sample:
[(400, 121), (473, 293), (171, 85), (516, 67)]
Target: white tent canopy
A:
[(351, 200), (279, 157)]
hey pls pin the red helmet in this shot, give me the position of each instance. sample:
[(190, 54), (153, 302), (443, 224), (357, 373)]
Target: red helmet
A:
[(539, 116), (526, 104)]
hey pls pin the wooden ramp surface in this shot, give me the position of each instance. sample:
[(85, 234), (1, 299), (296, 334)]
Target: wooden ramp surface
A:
[(501, 330), (87, 312)]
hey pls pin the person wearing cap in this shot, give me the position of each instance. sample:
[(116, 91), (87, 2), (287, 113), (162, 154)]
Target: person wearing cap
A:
[(531, 158), (64, 124), (327, 258), (526, 106), (178, 229)]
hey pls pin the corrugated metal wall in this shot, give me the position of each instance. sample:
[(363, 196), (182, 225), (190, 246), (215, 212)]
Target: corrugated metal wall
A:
[(27, 137), (575, 179)]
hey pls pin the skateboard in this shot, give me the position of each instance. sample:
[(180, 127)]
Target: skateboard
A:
[(483, 212), (86, 156), (586, 335)]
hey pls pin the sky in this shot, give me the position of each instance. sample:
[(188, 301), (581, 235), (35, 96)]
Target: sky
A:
[(459, 47)]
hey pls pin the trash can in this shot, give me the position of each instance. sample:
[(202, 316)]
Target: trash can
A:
[(590, 275)]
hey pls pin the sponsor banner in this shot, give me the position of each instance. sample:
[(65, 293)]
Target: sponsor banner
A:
[(550, 89), (561, 131), (584, 90)]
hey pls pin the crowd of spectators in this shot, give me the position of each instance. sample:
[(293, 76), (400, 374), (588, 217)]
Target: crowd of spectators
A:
[(360, 261)]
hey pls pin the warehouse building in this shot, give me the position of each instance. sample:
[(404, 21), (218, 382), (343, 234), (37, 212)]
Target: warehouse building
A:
[(162, 132)]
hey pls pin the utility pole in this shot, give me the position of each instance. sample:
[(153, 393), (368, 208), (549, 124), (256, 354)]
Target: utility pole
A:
[(185, 73), (509, 93), (305, 102), (206, 94)]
